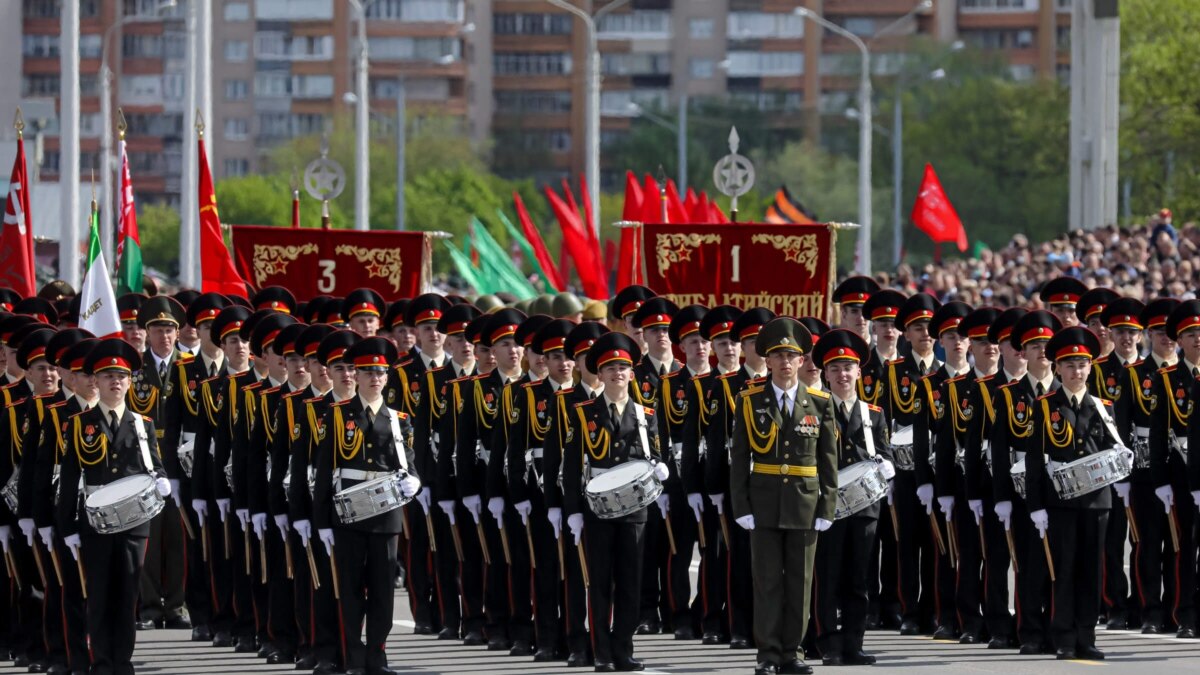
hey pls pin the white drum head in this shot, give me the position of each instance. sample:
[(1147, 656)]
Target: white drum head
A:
[(903, 436), (616, 477), (119, 490), (853, 472), (1019, 467)]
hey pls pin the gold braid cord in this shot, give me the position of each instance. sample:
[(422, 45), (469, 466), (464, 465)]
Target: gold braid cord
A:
[(602, 438), (957, 419), (347, 451), (988, 405), (143, 406), (1016, 428), (97, 449), (1146, 404), (674, 419), (189, 397), (903, 405), (1059, 439), (538, 430), (760, 442)]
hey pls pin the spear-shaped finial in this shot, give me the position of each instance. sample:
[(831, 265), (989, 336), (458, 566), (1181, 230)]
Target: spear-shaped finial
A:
[(199, 123), (122, 125), (734, 140), (19, 122)]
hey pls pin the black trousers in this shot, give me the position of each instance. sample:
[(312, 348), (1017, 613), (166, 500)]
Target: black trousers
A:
[(497, 590), (472, 573), (546, 585), (740, 584), (1033, 600), (1077, 542), (915, 553), (679, 578), (197, 590), (281, 593), (574, 595), (1153, 557), (714, 565), (318, 615), (250, 599), (74, 611), (881, 589), (840, 583), (1115, 593), (968, 580), (422, 573), (996, 615), (1184, 607), (944, 576), (614, 553), (27, 611), (653, 602), (162, 583), (113, 565), (366, 564), (222, 557), (520, 581)]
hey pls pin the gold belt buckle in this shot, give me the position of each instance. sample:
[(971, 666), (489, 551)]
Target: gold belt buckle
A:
[(784, 470)]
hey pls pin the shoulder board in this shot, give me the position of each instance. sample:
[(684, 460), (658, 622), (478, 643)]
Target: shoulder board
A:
[(252, 386), (750, 391), (404, 362), (341, 403), (1106, 402), (727, 375), (1137, 363), (583, 403), (960, 378), (1167, 369), (464, 378), (928, 376), (986, 378), (1047, 395), (185, 357), (147, 418), (564, 391), (214, 378), (874, 408), (20, 401), (527, 385), (293, 394), (673, 373), (39, 397), (480, 376), (704, 376), (400, 415), (818, 393), (314, 399), (648, 410), (272, 390), (10, 385), (77, 414), (56, 405), (1006, 385), (896, 361), (1102, 359), (434, 370), (756, 381)]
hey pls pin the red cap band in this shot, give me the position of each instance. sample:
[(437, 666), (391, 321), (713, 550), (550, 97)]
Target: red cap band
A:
[(614, 356), (1039, 333), (364, 308), (503, 332), (113, 363), (1070, 351), (841, 354)]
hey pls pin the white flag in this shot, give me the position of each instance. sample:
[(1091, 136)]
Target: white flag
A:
[(97, 303)]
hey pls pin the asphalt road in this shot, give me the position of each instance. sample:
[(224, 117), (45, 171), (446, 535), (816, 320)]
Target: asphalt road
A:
[(164, 651)]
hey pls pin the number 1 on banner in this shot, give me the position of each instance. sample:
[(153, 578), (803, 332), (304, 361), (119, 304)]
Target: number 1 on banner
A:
[(327, 282), (735, 251)]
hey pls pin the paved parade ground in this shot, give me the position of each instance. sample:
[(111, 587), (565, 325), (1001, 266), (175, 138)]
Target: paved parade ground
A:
[(166, 651)]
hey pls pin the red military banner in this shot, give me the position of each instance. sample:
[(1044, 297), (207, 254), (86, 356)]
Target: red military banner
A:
[(312, 262), (787, 269)]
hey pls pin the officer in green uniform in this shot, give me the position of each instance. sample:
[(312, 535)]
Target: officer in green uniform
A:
[(783, 485)]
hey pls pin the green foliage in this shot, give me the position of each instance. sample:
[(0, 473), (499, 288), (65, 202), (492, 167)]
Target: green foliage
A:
[(158, 229)]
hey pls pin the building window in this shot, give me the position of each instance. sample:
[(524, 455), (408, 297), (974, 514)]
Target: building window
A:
[(237, 51), (550, 140), (638, 23), (277, 46), (700, 29), (1021, 72), (427, 11), (702, 69), (414, 49), (1005, 5), (39, 46), (999, 38), (759, 25), (531, 24), (46, 84), (89, 46), (415, 88), (533, 102), (312, 86), (237, 128), (271, 84), (294, 10), (521, 63), (141, 46), (236, 90), (236, 167), (766, 64), (237, 11), (636, 64), (1062, 37), (859, 25)]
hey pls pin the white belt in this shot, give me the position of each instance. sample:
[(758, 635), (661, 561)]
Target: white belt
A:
[(187, 437), (358, 474), (1020, 455), (533, 453), (677, 452), (1141, 432)]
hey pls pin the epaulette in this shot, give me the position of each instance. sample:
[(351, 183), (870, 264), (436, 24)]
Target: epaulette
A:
[(756, 381), (701, 376), (38, 397), (1167, 369), (464, 378), (986, 378), (874, 408), (434, 370), (1106, 402), (56, 405), (564, 391), (10, 385), (405, 362), (896, 361), (527, 385), (1136, 363), (819, 393), (147, 418), (339, 403), (214, 378), (727, 375), (648, 410), (480, 376), (272, 390), (580, 404), (20, 401), (750, 391), (314, 399), (292, 394), (252, 386), (1006, 385), (673, 373), (401, 415), (186, 357), (1047, 395), (77, 414), (957, 379)]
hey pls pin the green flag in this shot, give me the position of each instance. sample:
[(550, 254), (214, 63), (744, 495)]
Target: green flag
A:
[(129, 243), (466, 270), (494, 258), (526, 248)]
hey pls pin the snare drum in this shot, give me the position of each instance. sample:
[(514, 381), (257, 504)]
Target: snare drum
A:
[(187, 453), (859, 486), (902, 448), (123, 504), (9, 491), (1018, 475), (370, 498), (623, 490), (1088, 474), (1141, 447), (287, 482)]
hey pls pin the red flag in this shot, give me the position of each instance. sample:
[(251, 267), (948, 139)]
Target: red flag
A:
[(539, 245), (217, 272), (652, 203), (592, 235), (934, 215), (16, 240), (575, 240), (675, 209), (629, 267), (716, 215), (699, 209)]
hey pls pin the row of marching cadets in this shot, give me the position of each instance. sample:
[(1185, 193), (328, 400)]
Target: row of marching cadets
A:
[(547, 484)]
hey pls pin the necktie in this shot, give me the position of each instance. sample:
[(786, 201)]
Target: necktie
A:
[(662, 370), (112, 421), (1040, 389), (1196, 372), (616, 419), (370, 418), (212, 368), (162, 372), (591, 395), (843, 417), (783, 405)]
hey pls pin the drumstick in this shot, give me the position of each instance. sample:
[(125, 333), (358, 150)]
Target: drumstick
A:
[(457, 540), (312, 566), (583, 565), (287, 558), (937, 534), (57, 566), (1012, 550), (504, 545), (204, 541), (529, 538), (246, 546), (1174, 529), (333, 571), (953, 544), (724, 529), (187, 525), (1133, 531), (12, 566), (982, 543), (700, 534), (429, 528), (82, 576), (1049, 558), (225, 524), (895, 521), (262, 557), (562, 564), (37, 559), (487, 557), (670, 534)]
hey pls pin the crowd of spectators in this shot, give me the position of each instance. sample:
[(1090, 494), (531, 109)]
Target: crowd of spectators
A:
[(1144, 262)]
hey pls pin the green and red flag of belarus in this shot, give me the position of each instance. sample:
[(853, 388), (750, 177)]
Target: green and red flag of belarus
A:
[(129, 245)]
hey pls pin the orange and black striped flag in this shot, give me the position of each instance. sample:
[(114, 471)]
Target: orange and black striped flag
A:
[(786, 210)]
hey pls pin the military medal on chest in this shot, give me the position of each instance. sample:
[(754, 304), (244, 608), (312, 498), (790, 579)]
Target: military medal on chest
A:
[(809, 425)]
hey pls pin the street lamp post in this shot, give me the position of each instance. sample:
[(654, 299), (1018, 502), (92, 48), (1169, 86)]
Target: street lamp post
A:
[(680, 130), (591, 99), (362, 158), (864, 138)]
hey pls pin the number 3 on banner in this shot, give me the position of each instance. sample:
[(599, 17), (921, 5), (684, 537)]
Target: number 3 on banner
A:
[(327, 281), (735, 252)]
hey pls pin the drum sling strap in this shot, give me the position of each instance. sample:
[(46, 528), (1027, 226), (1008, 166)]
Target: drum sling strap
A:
[(143, 442), (397, 439), (641, 421), (865, 411)]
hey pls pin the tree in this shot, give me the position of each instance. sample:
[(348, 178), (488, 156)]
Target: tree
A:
[(158, 227)]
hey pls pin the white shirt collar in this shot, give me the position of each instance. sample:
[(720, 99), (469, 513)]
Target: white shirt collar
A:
[(373, 407), (430, 363), (210, 362), (120, 410), (158, 362), (659, 365), (845, 403), (620, 404), (1009, 377), (1034, 382), (592, 393), (86, 404), (791, 393), (1191, 367), (1076, 398)]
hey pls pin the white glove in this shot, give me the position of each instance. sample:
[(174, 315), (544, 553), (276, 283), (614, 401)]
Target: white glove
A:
[(664, 504), (1122, 492), (888, 469), (163, 486), (326, 536), (925, 494), (1041, 520), (47, 535), (223, 509), (72, 542), (554, 515), (524, 508), (976, 508), (243, 516), (259, 522), (821, 525), (27, 529), (1004, 513), (448, 508), (496, 506), (891, 486), (175, 493), (201, 508), (575, 522), (661, 471), (281, 521), (304, 529), (409, 485), (696, 501), (5, 536), (1196, 497), (718, 502), (746, 522), (424, 500), (473, 504), (946, 506), (1166, 495)]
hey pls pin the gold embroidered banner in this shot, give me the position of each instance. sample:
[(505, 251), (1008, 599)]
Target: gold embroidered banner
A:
[(311, 262), (787, 269)]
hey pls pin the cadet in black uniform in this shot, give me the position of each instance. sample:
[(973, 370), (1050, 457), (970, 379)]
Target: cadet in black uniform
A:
[(1060, 295), (840, 576), (610, 430), (104, 444), (364, 440), (1068, 424)]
